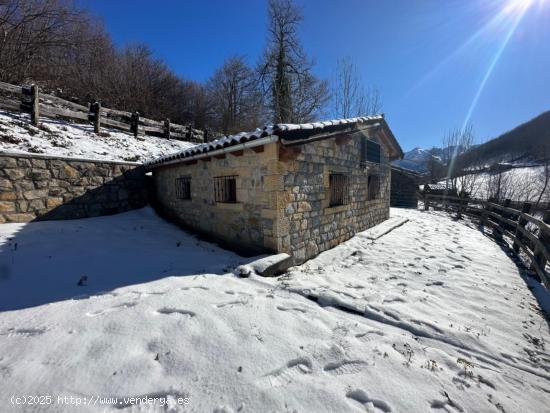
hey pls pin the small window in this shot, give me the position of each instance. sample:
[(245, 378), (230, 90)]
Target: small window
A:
[(339, 189), (373, 187), (225, 189), (373, 151), (183, 187)]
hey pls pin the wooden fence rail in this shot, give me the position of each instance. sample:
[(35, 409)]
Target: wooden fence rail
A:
[(528, 233), (31, 100)]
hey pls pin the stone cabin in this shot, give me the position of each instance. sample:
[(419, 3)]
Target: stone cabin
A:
[(298, 189)]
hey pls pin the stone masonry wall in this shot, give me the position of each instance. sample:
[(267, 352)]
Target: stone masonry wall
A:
[(308, 225), (246, 225), (38, 187), (283, 196)]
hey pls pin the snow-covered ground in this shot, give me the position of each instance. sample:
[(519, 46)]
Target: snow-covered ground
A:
[(432, 316), (61, 138)]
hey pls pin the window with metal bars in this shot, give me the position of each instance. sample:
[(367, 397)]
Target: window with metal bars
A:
[(225, 189), (370, 151), (373, 187), (183, 187), (339, 189)]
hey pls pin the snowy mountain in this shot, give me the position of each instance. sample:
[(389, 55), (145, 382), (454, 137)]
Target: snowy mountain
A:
[(417, 158), (61, 138)]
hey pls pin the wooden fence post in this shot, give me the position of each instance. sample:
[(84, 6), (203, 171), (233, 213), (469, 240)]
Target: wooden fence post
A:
[(462, 204), (95, 115), (189, 133), (544, 238), (426, 202), (525, 208), (167, 128), (484, 209), (35, 108), (205, 136), (134, 124)]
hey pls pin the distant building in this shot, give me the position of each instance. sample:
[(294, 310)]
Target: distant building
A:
[(404, 187), (299, 189)]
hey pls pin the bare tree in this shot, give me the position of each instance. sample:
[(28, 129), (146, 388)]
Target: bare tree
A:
[(543, 180), (237, 101), (350, 98), (35, 35), (460, 176), (295, 94)]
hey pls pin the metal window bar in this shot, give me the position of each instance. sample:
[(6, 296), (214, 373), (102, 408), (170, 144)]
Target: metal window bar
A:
[(183, 187), (225, 189), (339, 189)]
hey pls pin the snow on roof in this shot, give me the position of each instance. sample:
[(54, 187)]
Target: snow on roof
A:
[(281, 130)]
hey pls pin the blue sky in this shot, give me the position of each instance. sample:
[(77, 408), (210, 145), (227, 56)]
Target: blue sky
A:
[(423, 55)]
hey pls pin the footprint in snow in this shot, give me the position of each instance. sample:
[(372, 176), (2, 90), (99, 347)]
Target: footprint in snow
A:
[(111, 309), (168, 311), (435, 283), (198, 287), (292, 309), (342, 367), (24, 332), (367, 334), (232, 303), (372, 405), (292, 369)]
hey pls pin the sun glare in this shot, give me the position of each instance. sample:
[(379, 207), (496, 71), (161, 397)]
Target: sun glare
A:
[(515, 6)]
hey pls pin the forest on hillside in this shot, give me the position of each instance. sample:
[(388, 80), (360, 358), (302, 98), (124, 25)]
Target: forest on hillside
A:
[(68, 52)]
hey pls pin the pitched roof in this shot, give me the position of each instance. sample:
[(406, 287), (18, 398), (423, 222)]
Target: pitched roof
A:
[(295, 133)]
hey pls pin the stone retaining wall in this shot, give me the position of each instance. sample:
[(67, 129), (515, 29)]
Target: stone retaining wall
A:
[(39, 187)]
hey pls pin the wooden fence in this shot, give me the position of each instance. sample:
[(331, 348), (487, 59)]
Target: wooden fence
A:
[(29, 99), (528, 234)]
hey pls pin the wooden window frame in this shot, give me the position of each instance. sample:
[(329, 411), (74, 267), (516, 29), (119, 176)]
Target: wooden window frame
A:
[(225, 189), (339, 189), (183, 188)]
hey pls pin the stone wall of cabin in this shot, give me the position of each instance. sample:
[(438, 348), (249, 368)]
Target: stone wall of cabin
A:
[(308, 225), (245, 226), (39, 187), (283, 197)]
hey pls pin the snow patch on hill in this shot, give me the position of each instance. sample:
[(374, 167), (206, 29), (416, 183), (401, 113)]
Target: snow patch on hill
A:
[(61, 138)]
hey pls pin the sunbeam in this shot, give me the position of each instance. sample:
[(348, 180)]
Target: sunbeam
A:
[(517, 9)]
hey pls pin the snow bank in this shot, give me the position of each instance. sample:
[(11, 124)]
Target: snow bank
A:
[(61, 138), (431, 316)]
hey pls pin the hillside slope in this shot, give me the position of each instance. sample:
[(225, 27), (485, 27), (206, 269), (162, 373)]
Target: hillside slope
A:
[(60, 138), (529, 142)]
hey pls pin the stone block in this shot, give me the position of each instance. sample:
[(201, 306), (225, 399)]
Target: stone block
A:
[(68, 172), (53, 202), (5, 185), (38, 163), (8, 196), (7, 162), (35, 194), (37, 204), (6, 206), (15, 174), (17, 217)]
